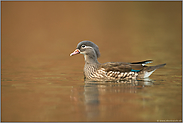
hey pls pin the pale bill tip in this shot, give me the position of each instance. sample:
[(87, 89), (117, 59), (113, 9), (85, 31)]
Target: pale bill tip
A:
[(71, 54)]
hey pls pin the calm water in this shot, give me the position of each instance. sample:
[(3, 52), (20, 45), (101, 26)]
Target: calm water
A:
[(41, 82)]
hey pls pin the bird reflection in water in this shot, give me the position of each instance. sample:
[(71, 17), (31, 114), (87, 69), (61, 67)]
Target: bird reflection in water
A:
[(90, 95)]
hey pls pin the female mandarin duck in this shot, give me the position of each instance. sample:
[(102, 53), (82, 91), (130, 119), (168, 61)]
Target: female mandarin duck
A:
[(111, 71)]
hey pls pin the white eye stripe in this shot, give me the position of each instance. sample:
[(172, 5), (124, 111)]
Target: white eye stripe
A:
[(84, 46)]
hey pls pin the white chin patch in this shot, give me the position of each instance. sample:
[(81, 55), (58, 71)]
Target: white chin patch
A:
[(81, 53)]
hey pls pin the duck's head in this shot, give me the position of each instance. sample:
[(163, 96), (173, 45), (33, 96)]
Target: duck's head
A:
[(87, 48)]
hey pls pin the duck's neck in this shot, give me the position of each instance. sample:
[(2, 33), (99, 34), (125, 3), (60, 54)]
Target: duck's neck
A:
[(91, 65), (91, 59)]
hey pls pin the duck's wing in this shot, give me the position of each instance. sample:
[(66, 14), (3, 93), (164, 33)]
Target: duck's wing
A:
[(121, 67), (143, 63), (124, 66)]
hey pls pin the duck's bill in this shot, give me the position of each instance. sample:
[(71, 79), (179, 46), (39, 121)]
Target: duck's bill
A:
[(75, 52)]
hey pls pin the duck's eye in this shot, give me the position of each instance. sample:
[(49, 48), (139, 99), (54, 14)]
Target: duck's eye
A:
[(83, 46)]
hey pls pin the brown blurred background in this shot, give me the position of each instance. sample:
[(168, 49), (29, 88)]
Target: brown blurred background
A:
[(132, 31)]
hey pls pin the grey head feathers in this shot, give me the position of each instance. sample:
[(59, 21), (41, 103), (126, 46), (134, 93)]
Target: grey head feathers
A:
[(91, 44)]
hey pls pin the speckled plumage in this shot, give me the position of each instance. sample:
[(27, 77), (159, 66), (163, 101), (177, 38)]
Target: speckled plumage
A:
[(111, 71)]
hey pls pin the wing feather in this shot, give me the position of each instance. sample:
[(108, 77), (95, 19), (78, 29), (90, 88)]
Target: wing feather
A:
[(121, 67)]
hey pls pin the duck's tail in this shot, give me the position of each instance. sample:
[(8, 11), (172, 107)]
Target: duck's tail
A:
[(148, 70)]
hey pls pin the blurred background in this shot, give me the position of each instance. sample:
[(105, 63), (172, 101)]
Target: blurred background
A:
[(37, 38), (137, 29)]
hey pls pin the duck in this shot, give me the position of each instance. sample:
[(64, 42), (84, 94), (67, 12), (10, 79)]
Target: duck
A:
[(111, 71)]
